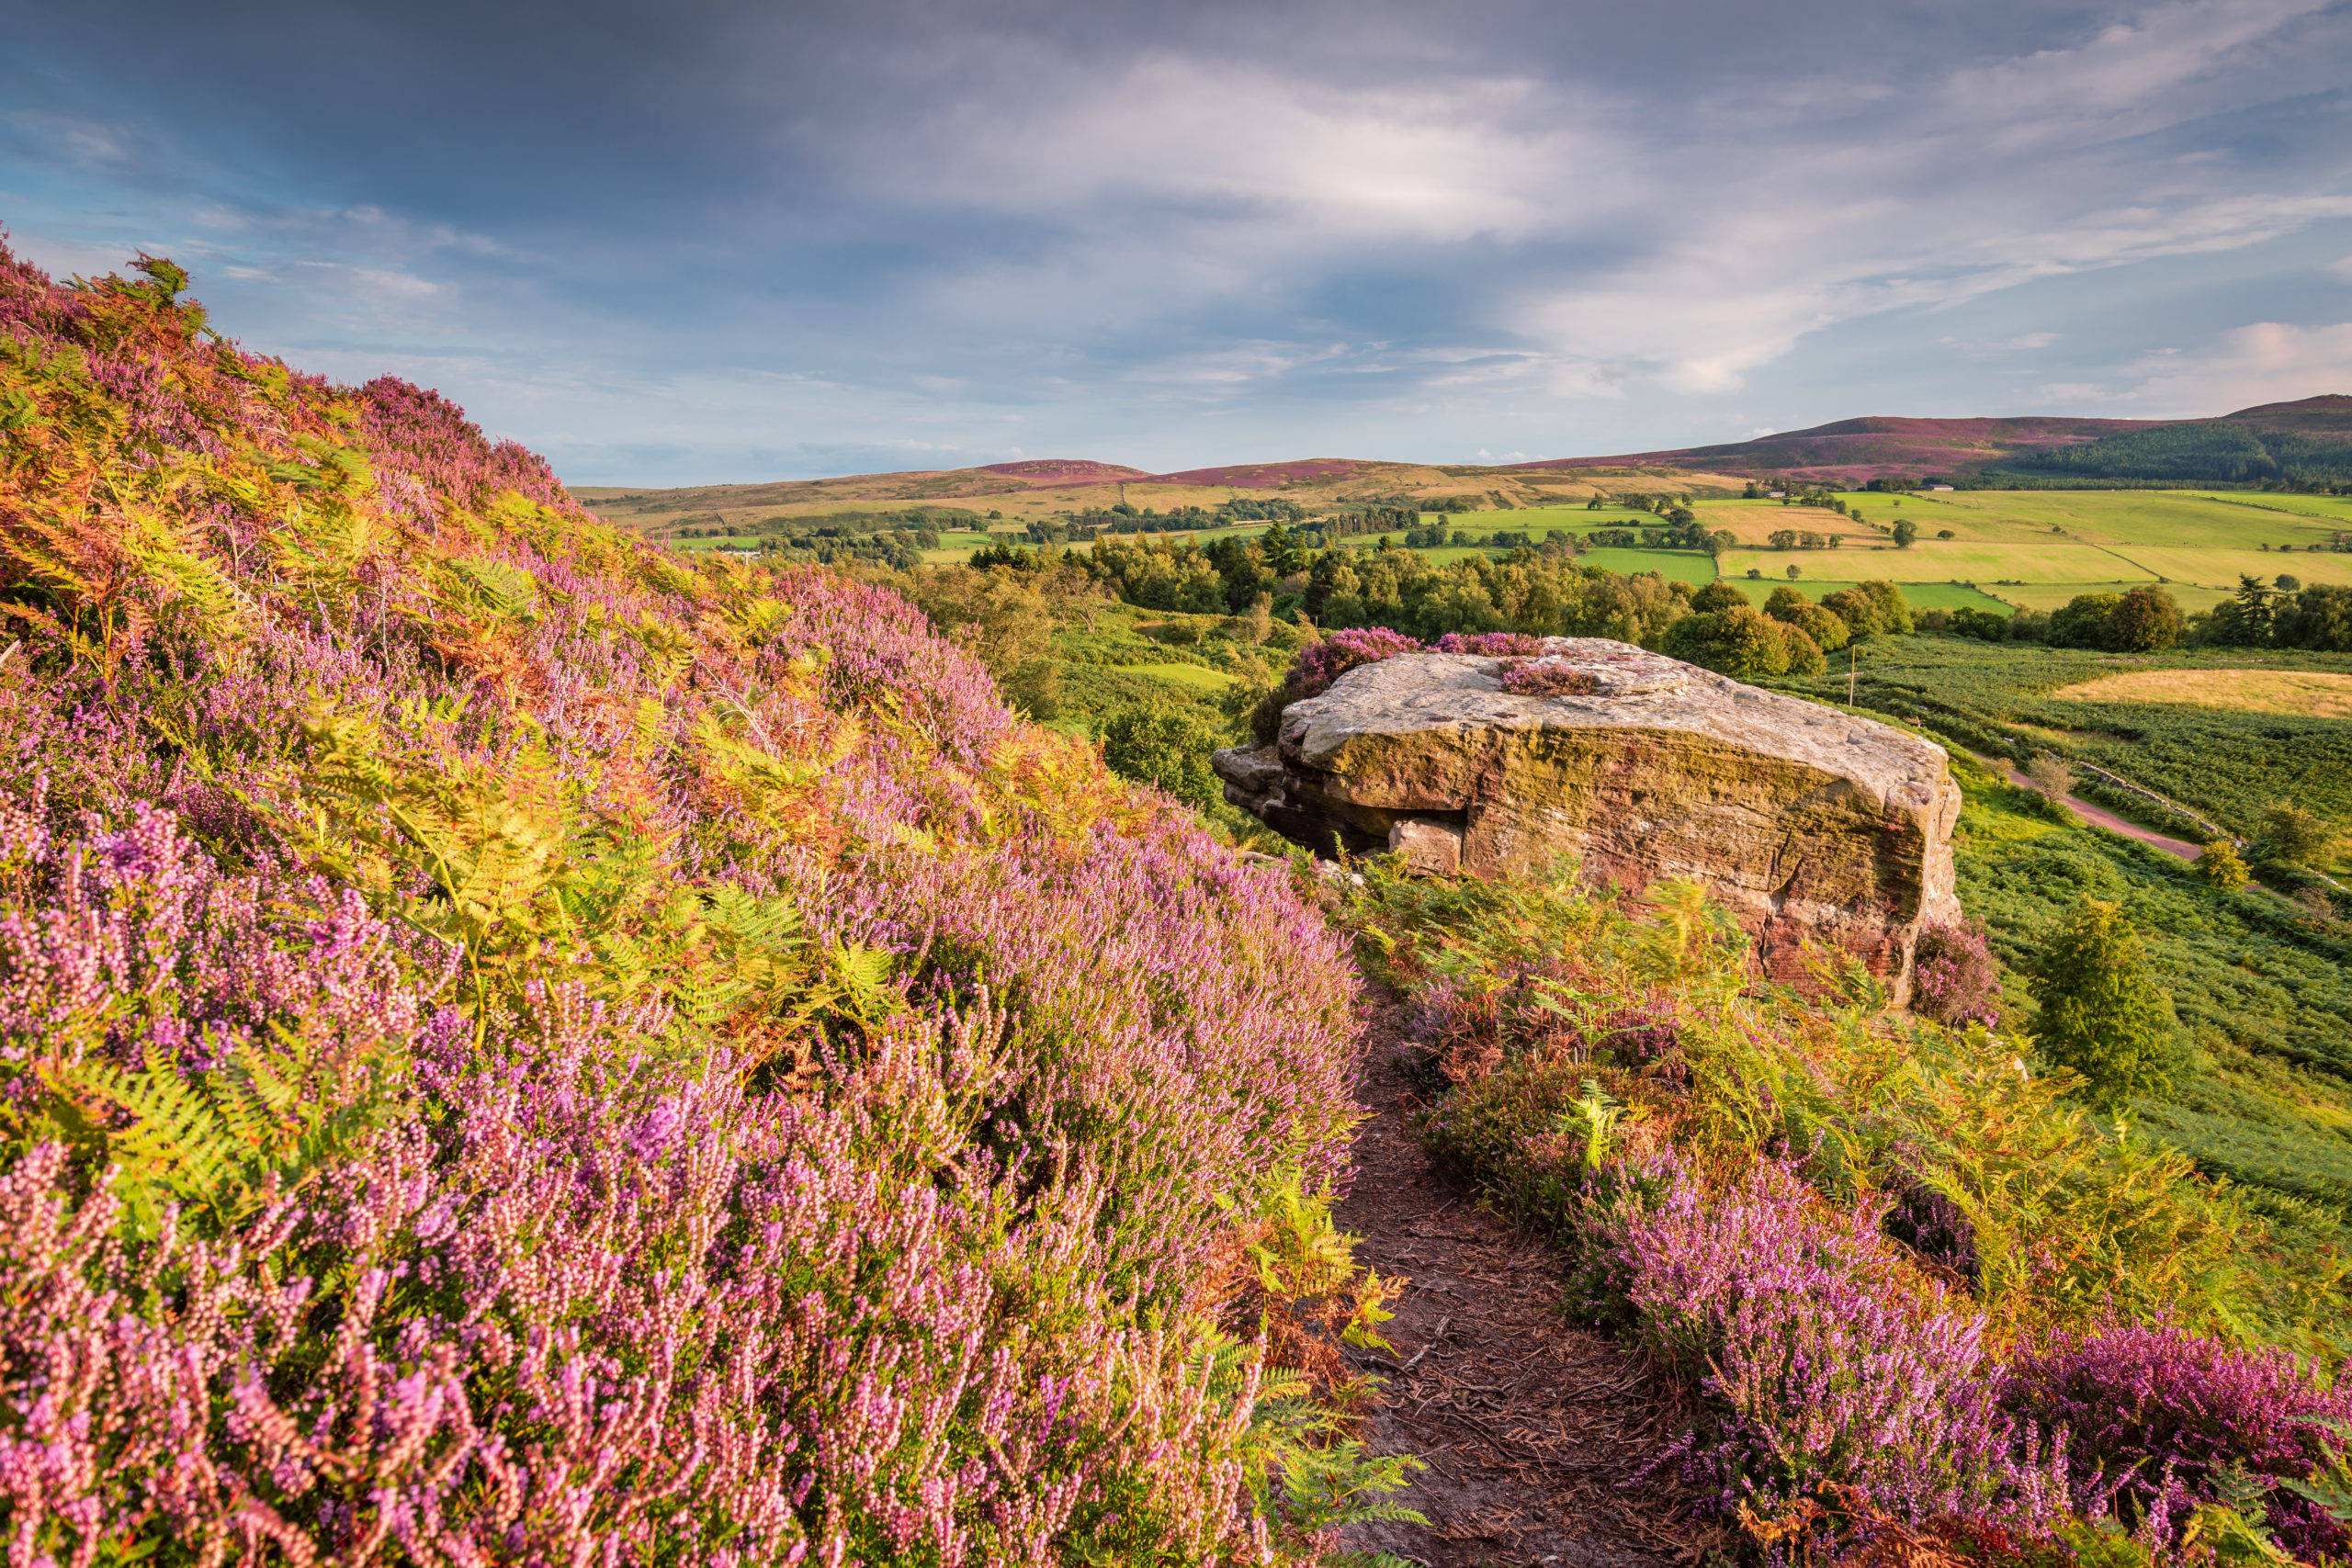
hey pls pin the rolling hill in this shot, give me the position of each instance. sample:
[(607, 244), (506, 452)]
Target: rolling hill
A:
[(2310, 440)]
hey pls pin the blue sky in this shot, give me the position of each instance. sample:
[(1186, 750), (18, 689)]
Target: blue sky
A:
[(706, 240)]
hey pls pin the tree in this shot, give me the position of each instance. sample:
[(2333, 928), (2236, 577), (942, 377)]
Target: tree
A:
[(1857, 610), (2144, 620), (1783, 539), (2051, 778), (1279, 548), (2320, 618), (2245, 618), (1719, 595), (2100, 1016), (1737, 642), (1828, 632), (1160, 743), (2290, 833), (2221, 867), (2082, 623), (1905, 532), (1795, 572)]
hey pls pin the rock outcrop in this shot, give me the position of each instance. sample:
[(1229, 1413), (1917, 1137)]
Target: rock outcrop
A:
[(1809, 824)]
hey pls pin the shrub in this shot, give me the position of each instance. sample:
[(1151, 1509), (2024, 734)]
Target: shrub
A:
[(515, 1046), (2220, 866), (2100, 1016), (2051, 776), (1490, 645), (1167, 745), (1533, 678), (2159, 1420), (1321, 663), (2289, 833), (1835, 1364), (1956, 980)]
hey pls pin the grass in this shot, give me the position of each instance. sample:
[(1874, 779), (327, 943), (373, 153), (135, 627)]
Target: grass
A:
[(1675, 566), (2221, 569), (2266, 1099), (2189, 520), (1193, 675), (1921, 595), (2308, 694)]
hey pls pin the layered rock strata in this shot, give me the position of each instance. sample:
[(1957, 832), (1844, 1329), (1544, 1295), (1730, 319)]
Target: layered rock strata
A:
[(1809, 825)]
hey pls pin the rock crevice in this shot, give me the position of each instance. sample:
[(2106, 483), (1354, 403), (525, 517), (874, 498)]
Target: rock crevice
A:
[(1809, 824)]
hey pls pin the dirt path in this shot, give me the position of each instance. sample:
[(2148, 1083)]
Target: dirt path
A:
[(2099, 815), (1528, 1424)]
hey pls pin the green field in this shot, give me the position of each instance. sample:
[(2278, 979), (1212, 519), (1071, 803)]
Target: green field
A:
[(1675, 566), (2221, 569), (2177, 518), (1193, 675), (1921, 595)]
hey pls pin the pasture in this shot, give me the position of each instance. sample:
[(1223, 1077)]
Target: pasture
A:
[(1921, 595)]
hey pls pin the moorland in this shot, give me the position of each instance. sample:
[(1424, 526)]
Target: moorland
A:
[(736, 1026)]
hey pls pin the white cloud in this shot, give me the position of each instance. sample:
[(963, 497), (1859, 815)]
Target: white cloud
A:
[(2267, 362)]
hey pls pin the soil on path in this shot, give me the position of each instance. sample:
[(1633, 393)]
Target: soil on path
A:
[(1533, 1427), (2101, 817)]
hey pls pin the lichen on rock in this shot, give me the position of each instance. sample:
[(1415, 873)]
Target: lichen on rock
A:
[(1809, 825)]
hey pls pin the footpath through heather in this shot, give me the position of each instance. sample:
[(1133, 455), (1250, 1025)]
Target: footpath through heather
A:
[(1533, 1427)]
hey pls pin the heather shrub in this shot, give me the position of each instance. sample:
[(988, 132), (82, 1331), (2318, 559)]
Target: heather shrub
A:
[(1955, 979), (1319, 664), (1839, 1227), (1490, 645), (1835, 1364), (1535, 678), (515, 1046), (2161, 1421)]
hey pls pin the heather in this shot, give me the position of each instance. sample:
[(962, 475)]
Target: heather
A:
[(1922, 1299), (515, 1046)]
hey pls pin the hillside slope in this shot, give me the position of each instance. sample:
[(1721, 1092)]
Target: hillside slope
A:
[(513, 1049)]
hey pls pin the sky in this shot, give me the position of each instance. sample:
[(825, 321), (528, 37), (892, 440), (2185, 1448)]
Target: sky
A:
[(705, 240)]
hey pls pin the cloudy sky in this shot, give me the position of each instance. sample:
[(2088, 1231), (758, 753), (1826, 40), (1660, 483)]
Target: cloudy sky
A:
[(702, 240)]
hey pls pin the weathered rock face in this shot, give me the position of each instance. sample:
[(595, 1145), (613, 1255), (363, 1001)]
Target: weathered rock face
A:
[(1806, 822)]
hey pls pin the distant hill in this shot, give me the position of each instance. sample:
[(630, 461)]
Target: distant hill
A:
[(2300, 443), (2235, 447), (1880, 446)]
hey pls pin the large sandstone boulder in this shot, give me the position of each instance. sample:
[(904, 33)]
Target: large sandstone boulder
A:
[(1807, 823)]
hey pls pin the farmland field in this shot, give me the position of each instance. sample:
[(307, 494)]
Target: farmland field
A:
[(2309, 693), (2221, 569), (1921, 595), (1675, 566)]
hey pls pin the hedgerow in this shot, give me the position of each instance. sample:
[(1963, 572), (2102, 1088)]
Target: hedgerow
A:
[(515, 1047)]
